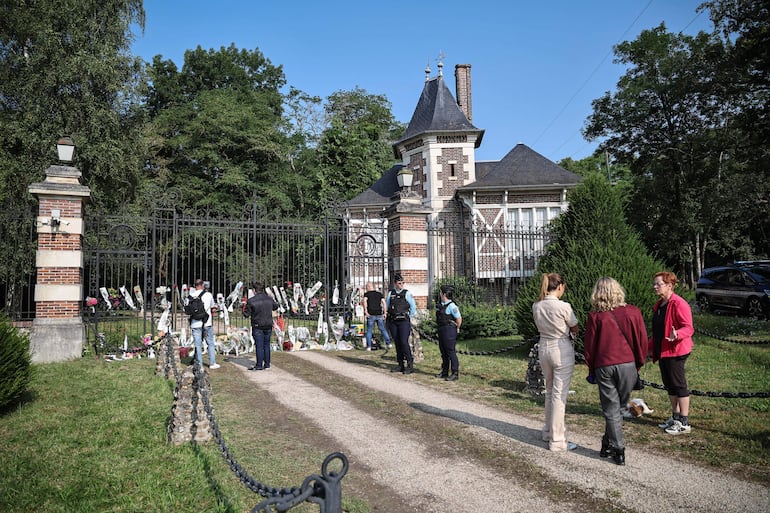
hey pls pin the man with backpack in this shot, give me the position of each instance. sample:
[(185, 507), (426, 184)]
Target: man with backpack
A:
[(401, 308), (198, 306)]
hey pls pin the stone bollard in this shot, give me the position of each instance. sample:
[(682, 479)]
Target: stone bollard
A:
[(189, 421), (416, 345), (163, 364)]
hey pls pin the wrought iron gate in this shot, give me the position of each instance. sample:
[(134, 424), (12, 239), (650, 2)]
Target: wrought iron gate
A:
[(131, 267)]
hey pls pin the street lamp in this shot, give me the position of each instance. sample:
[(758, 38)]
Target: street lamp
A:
[(65, 148), (405, 177)]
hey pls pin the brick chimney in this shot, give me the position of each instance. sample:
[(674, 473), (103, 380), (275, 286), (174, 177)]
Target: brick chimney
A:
[(463, 89)]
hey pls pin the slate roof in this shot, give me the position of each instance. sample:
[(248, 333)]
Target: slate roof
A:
[(379, 194), (437, 111), (522, 167)]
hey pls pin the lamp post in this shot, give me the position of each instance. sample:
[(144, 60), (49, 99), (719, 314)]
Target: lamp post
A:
[(65, 148), (405, 178)]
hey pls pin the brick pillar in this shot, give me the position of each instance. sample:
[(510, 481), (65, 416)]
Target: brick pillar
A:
[(408, 245), (57, 331)]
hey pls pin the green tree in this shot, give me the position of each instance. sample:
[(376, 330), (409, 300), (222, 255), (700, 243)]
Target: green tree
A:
[(218, 134), (591, 240), (744, 161), (67, 71), (356, 146), (679, 124)]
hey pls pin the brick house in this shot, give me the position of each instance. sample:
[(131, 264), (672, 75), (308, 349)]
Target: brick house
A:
[(485, 220)]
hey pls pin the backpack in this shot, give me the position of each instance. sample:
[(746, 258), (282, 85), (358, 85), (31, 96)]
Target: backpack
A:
[(196, 309), (399, 306)]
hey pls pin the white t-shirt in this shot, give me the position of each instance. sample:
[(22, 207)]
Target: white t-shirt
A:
[(208, 304)]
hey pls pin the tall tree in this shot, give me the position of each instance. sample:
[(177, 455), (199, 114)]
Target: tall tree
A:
[(744, 26), (665, 121), (66, 70), (592, 239), (218, 133), (356, 146)]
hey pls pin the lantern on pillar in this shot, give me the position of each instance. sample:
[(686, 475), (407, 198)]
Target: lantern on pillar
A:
[(65, 148)]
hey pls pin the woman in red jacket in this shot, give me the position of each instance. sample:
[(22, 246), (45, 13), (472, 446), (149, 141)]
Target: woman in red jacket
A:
[(615, 345), (672, 332)]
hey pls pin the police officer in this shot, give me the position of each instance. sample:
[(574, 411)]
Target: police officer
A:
[(401, 307), (449, 320)]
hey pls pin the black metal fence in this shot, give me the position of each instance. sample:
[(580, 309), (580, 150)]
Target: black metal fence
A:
[(490, 264), (134, 266), (18, 246), (135, 270)]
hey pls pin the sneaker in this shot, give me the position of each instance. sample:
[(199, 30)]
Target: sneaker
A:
[(214, 366), (368, 348), (678, 428), (571, 446), (667, 424)]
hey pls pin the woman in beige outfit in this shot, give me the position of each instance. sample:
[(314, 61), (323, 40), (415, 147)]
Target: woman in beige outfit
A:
[(555, 320)]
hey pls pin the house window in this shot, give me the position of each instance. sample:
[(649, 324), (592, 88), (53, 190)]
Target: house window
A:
[(452, 170), (525, 237), (529, 218)]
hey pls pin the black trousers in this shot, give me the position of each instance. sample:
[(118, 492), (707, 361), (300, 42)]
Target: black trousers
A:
[(447, 342), (400, 332)]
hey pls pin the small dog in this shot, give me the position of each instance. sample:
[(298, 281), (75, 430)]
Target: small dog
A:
[(636, 408)]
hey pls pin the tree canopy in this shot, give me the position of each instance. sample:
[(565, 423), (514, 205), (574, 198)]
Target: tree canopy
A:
[(686, 118), (68, 71)]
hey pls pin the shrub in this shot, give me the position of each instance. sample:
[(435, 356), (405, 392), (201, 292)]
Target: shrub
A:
[(15, 363), (591, 240), (466, 292), (478, 322)]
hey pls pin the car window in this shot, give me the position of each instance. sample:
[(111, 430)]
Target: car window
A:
[(735, 277), (718, 276), (764, 272)]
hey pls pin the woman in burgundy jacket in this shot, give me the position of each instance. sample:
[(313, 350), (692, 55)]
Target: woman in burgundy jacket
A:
[(672, 332), (615, 349)]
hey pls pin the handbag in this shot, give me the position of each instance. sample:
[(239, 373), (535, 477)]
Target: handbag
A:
[(639, 385)]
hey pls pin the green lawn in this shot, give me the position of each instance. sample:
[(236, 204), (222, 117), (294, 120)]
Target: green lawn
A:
[(90, 436)]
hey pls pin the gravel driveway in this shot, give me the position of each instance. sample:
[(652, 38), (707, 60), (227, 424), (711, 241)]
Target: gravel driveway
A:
[(429, 481)]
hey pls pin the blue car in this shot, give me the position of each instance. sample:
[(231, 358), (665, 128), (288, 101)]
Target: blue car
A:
[(742, 287)]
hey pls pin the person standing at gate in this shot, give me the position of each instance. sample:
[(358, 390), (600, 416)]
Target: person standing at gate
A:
[(260, 308), (204, 328), (555, 320), (449, 320), (375, 312), (401, 308)]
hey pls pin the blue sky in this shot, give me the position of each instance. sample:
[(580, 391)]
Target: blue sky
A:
[(535, 65)]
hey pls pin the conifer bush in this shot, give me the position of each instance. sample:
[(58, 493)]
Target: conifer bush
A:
[(15, 363), (591, 240)]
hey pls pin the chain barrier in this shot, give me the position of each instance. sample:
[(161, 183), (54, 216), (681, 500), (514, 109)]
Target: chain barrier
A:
[(579, 357), (732, 340), (324, 489), (535, 382), (480, 353)]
